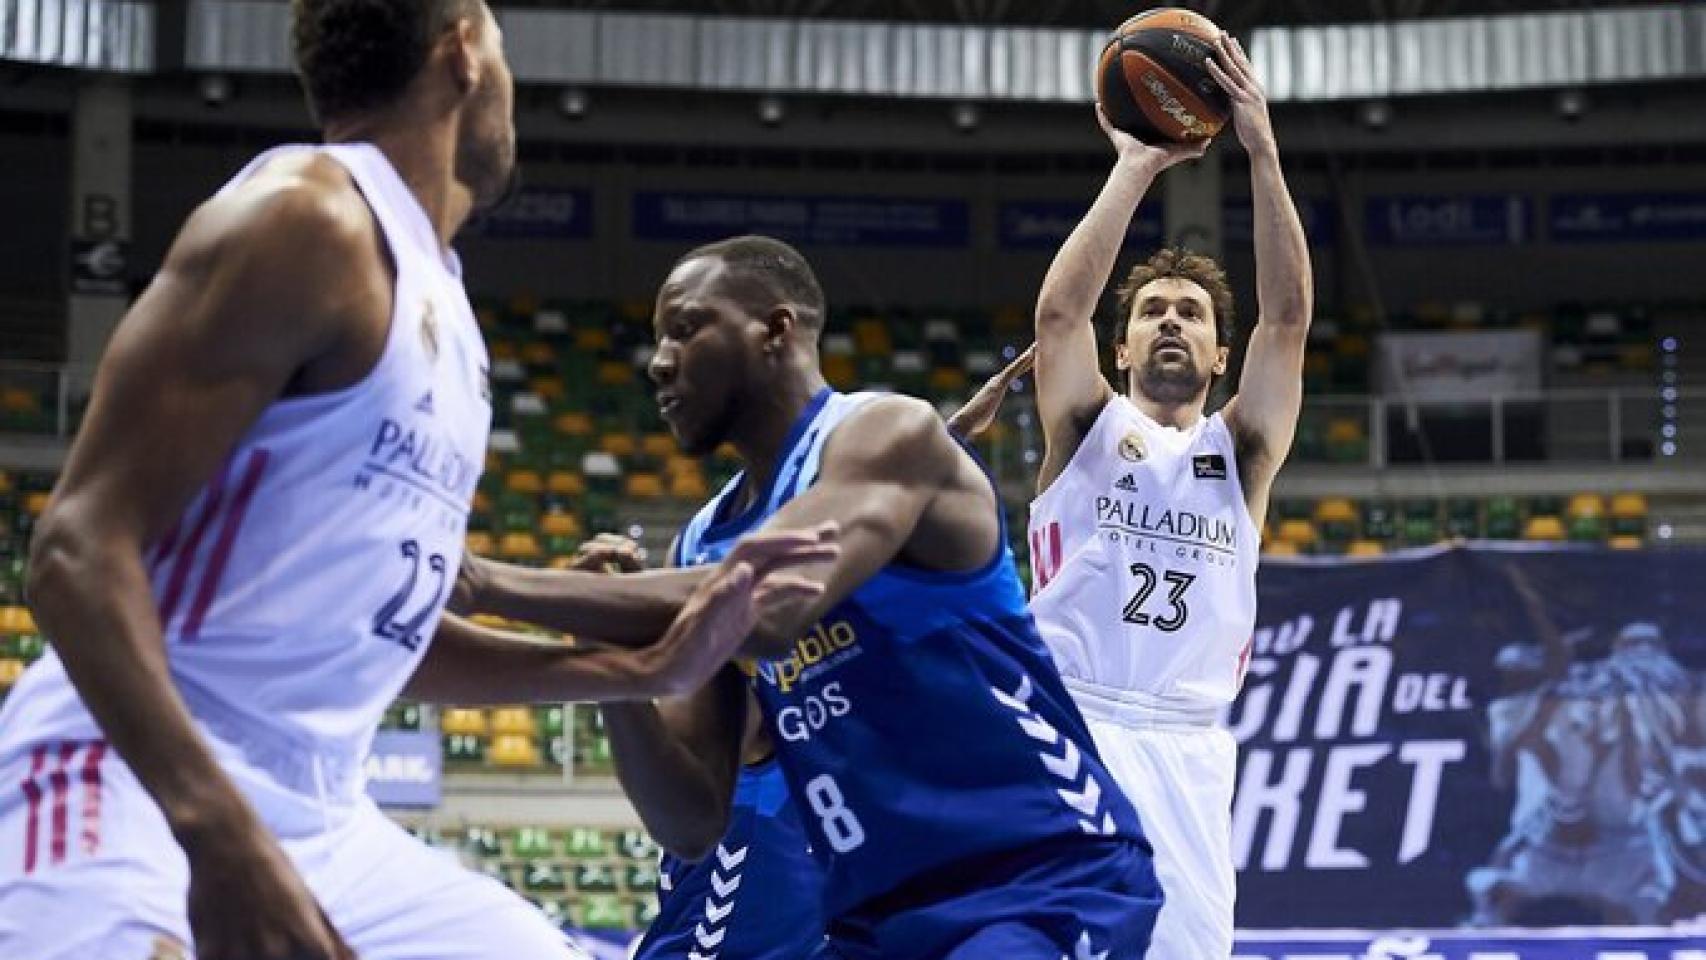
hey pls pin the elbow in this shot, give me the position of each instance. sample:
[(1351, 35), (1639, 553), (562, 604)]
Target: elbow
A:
[(1051, 321), (691, 844), (57, 551)]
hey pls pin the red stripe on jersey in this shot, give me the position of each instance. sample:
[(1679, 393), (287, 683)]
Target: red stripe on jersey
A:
[(185, 558), (91, 838), (32, 796), (257, 465), (60, 782), (163, 549)]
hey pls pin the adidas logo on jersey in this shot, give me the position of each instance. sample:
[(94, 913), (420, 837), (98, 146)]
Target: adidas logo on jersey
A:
[(424, 404), (1128, 483)]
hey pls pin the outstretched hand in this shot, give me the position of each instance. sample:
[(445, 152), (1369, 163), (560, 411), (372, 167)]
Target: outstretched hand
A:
[(974, 418), (1232, 69), (758, 575), (1149, 157)]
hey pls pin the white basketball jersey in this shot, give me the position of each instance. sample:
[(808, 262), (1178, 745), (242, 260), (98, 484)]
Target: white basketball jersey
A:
[(1143, 561), (299, 589)]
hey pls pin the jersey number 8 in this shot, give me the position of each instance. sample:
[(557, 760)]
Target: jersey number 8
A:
[(840, 826)]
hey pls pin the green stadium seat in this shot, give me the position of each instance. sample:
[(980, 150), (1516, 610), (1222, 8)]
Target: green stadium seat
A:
[(641, 878), (543, 876), (595, 878), (604, 912), (586, 843), (532, 842), (482, 842)]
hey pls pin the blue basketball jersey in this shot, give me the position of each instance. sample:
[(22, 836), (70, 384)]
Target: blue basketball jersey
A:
[(758, 896), (921, 722)]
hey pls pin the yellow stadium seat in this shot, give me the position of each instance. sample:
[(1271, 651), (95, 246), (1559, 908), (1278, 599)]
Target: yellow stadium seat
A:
[(519, 546), (1011, 319), (643, 486), (872, 338), (482, 502), (1626, 542), (513, 721), (5, 482), (1629, 506), (1344, 430), (676, 464), (503, 350), (592, 340), (1364, 548), (513, 751), (1300, 533), (1544, 528), (486, 317), (1280, 548), (35, 504), (10, 670), (524, 481), (16, 619), (658, 445), (688, 486), (524, 304), (538, 353), (635, 311), (574, 423), (618, 444), (560, 524), (19, 400), (565, 483), (1585, 505), (549, 389), (479, 543), (947, 379), (615, 373), (463, 720), (1335, 510), (841, 372)]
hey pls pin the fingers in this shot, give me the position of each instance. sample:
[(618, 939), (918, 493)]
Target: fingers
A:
[(1103, 121), (786, 589), (1234, 66), (1025, 361), (792, 548), (1220, 77)]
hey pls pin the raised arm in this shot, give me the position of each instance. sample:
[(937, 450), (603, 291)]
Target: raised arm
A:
[(1264, 414), (1071, 390), (214, 340)]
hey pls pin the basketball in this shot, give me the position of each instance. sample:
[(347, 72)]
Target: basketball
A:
[(1151, 81)]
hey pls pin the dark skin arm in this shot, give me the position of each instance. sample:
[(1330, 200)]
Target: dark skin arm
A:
[(219, 335), (978, 414)]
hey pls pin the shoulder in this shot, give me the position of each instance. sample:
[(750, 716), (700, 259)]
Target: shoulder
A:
[(890, 433), (301, 210)]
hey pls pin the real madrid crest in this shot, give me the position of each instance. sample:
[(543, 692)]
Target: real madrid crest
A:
[(166, 948), (429, 330), (1132, 448)]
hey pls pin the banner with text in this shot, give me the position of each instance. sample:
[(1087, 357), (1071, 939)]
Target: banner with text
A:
[(1625, 217), (1481, 736), (1045, 224), (822, 221), (1458, 366), (1448, 221), (406, 768), (538, 213)]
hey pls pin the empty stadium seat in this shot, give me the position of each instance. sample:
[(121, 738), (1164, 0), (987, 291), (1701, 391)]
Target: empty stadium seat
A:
[(1545, 527), (1299, 533), (643, 486), (464, 720), (558, 523), (510, 750), (520, 546), (513, 720), (1364, 548), (10, 670), (532, 842)]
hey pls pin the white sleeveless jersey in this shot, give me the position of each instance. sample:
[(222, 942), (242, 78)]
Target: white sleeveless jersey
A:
[(1143, 562), (300, 587)]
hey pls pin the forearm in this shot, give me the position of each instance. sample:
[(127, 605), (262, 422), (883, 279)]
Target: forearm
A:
[(471, 665), (629, 609), (682, 789), (1284, 284), (93, 600), (1081, 269)]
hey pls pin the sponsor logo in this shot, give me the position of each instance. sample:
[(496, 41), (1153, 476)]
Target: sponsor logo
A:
[(1165, 522), (1209, 466), (1132, 447), (424, 404), (824, 648), (1128, 483), (1171, 106)]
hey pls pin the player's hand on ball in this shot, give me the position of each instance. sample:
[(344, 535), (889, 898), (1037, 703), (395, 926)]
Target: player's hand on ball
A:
[(1150, 158), (608, 553), (1237, 76), (246, 902)]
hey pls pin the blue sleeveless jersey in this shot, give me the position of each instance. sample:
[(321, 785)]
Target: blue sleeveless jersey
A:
[(758, 896), (921, 722)]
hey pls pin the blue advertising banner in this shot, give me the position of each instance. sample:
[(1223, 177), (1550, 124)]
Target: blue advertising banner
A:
[(1319, 215), (820, 220), (538, 213), (1475, 737), (1448, 221), (406, 768), (1623, 217), (1045, 224)]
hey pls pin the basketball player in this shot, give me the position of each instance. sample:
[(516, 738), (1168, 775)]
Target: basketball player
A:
[(1144, 535), (946, 782), (248, 552), (758, 893)]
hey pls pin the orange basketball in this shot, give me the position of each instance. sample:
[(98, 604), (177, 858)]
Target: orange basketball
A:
[(1151, 82)]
